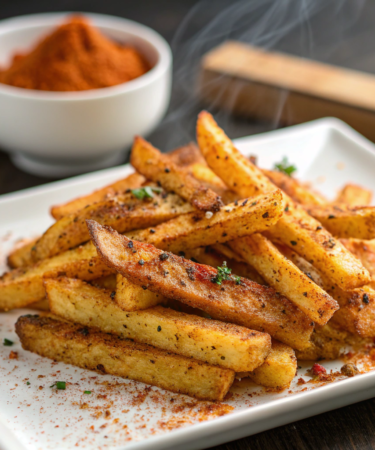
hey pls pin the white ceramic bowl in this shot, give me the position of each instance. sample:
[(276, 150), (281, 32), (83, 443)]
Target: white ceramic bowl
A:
[(63, 133)]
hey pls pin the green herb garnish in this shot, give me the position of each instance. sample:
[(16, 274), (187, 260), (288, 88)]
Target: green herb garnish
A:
[(145, 192), (285, 167), (223, 273), (28, 383), (237, 280), (87, 392), (7, 342), (59, 385)]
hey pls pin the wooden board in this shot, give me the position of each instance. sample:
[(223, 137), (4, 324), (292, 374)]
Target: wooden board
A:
[(272, 86)]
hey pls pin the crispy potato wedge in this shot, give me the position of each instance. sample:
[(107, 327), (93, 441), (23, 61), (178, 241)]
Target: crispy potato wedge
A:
[(327, 342), (285, 277), (195, 229), (364, 250), (235, 300), (344, 222), (42, 305), (20, 287), (159, 168), (107, 282), (20, 256), (279, 368), (123, 213), (131, 297), (353, 195), (295, 189), (296, 227), (132, 181), (214, 342), (104, 353)]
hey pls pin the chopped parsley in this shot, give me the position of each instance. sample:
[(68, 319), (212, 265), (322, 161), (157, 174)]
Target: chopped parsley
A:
[(59, 385), (7, 342), (285, 167), (237, 280), (145, 192), (28, 383), (223, 273), (87, 392)]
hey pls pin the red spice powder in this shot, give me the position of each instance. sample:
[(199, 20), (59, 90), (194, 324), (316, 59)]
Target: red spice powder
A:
[(75, 57)]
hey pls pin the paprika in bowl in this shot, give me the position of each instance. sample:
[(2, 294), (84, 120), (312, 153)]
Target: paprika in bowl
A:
[(80, 89)]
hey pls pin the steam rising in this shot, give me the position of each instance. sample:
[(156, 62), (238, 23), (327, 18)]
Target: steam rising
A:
[(316, 29)]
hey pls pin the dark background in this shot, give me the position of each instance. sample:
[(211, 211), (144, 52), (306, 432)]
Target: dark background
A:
[(343, 35)]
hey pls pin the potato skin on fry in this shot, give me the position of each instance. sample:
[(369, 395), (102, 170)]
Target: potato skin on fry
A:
[(296, 227), (123, 213), (218, 343), (194, 229), (241, 302), (94, 350), (159, 168), (285, 277), (132, 181)]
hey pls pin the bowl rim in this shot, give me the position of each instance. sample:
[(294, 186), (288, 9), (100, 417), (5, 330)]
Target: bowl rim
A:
[(134, 28)]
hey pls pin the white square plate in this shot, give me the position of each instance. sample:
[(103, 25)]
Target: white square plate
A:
[(327, 153)]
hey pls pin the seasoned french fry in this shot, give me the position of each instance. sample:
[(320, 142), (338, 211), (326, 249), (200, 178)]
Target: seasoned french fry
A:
[(211, 257), (20, 287), (106, 282), (94, 350), (131, 297), (214, 342), (279, 368), (195, 229), (353, 195), (21, 255), (236, 300), (296, 228), (187, 155), (357, 306), (123, 213), (344, 222), (132, 181), (296, 190), (42, 305), (159, 168), (327, 342), (285, 277), (364, 250)]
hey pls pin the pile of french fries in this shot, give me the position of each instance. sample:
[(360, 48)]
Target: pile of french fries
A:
[(197, 269)]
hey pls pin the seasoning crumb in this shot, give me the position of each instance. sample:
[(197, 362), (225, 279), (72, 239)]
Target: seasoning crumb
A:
[(349, 370), (209, 214)]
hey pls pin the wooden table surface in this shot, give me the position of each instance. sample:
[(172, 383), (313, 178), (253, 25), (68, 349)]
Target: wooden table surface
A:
[(352, 427)]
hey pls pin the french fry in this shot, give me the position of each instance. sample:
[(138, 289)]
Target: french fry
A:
[(285, 277), (296, 228), (296, 190), (353, 195), (278, 370), (132, 181), (41, 305), (106, 282), (327, 342), (211, 257), (214, 342), (24, 286), (94, 350), (236, 300), (364, 250), (20, 256), (123, 213), (344, 222), (187, 155), (131, 297), (357, 306), (195, 229), (159, 168)]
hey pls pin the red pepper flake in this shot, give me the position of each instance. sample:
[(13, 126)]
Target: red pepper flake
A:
[(317, 370), (13, 355)]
